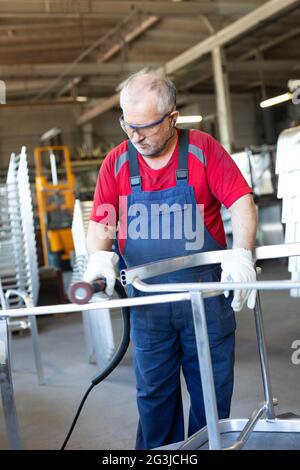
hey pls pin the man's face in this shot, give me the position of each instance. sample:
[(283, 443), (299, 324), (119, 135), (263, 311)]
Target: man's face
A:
[(150, 142)]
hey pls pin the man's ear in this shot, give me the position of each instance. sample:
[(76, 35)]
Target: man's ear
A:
[(174, 118)]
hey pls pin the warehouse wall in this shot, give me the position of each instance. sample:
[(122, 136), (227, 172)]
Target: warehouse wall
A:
[(24, 126), (107, 129)]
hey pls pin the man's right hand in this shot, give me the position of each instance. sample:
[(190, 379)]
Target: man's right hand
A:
[(102, 264)]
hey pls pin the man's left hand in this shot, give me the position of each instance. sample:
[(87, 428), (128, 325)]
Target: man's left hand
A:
[(238, 266)]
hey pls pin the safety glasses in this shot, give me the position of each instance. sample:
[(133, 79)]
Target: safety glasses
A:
[(145, 130)]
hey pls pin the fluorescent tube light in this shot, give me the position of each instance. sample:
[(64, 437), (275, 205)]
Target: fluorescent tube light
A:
[(276, 100), (81, 99), (189, 119)]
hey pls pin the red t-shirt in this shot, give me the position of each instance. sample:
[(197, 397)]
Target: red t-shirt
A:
[(213, 174)]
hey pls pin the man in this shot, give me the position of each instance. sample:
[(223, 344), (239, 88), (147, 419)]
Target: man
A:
[(189, 175)]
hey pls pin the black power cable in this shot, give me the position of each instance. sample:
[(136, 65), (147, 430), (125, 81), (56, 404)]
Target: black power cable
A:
[(118, 356)]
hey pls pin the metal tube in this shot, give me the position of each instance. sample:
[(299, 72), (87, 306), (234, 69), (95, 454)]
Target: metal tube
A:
[(3, 300), (34, 331), (7, 391), (263, 358), (157, 268), (180, 288), (214, 286), (115, 303), (244, 435), (206, 371), (53, 169), (36, 349), (5, 305)]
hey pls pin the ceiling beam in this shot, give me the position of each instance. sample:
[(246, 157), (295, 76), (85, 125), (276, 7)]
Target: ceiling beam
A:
[(23, 88), (98, 109), (73, 27), (82, 69), (128, 38), (55, 24), (272, 43), (86, 53), (79, 37), (281, 67), (63, 101), (51, 37), (269, 81), (119, 9), (222, 37), (170, 49), (247, 55), (27, 88), (252, 66), (48, 46), (227, 34), (242, 70)]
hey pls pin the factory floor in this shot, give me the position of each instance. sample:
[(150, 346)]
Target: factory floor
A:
[(109, 417)]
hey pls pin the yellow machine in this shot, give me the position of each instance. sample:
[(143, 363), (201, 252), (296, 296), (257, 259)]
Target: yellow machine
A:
[(55, 203)]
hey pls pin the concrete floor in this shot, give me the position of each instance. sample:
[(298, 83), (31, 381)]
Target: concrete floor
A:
[(108, 420)]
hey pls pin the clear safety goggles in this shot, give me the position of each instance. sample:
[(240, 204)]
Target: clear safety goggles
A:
[(145, 130)]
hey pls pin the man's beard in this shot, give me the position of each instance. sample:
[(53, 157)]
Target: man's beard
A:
[(154, 150)]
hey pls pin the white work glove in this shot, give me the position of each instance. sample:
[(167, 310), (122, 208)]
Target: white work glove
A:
[(238, 266), (102, 264)]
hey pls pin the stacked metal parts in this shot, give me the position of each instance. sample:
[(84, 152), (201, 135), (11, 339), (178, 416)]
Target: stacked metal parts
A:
[(20, 215), (97, 323), (18, 255), (257, 166), (256, 163), (288, 170)]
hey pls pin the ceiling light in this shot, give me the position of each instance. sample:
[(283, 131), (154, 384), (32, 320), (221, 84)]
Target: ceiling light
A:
[(276, 100), (81, 99), (189, 119)]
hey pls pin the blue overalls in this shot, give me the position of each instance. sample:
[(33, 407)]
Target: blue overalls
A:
[(162, 335)]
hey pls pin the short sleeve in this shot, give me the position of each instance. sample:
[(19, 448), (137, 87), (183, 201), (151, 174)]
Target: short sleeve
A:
[(225, 180), (105, 205)]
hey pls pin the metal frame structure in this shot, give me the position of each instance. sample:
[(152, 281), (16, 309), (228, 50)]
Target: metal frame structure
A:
[(19, 228), (7, 393), (18, 255), (97, 328), (195, 293), (288, 171)]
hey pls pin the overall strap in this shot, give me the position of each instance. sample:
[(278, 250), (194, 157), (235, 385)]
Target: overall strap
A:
[(135, 179), (183, 150)]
